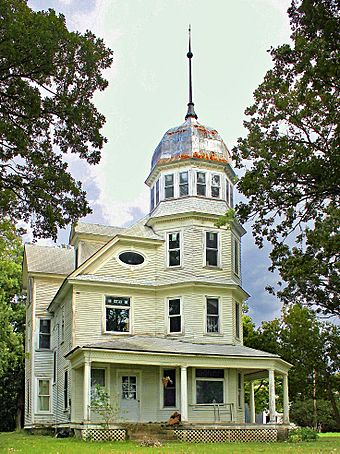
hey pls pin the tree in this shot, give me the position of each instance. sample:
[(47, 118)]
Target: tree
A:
[(48, 76), (12, 323), (292, 162)]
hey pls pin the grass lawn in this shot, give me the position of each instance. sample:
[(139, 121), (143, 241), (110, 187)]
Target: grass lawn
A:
[(36, 444)]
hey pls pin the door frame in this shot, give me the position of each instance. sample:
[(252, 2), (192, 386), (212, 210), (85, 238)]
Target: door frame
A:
[(138, 374)]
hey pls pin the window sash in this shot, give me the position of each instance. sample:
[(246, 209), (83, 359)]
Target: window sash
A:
[(169, 391), (236, 258), (44, 395), (213, 316), (174, 249), (215, 186), (183, 184), (237, 320), (174, 316), (152, 198), (44, 334), (211, 249), (157, 192), (209, 391), (201, 183), (169, 186), (65, 390)]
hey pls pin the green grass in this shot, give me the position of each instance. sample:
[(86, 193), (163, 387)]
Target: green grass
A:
[(36, 444)]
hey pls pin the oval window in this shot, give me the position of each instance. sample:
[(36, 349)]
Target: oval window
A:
[(131, 258)]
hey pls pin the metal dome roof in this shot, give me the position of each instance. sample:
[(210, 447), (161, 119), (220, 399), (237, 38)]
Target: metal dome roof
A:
[(191, 140)]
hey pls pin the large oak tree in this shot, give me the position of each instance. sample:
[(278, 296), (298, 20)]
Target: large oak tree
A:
[(48, 76), (292, 160)]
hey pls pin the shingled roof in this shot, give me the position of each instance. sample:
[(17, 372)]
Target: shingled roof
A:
[(50, 260)]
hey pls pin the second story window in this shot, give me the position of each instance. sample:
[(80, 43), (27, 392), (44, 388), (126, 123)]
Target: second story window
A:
[(211, 249), (117, 314), (200, 183), (237, 320), (174, 315), (236, 258), (44, 334), (174, 249), (213, 315), (183, 184), (215, 186), (169, 186)]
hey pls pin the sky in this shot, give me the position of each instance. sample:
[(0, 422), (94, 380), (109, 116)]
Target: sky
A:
[(147, 95)]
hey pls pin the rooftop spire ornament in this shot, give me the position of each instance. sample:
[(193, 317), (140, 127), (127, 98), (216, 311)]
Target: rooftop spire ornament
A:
[(191, 111)]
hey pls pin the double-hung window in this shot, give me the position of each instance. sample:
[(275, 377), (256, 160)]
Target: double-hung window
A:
[(229, 194), (183, 184), (157, 192), (174, 315), (237, 320), (213, 322), (201, 183), (44, 396), (211, 249), (209, 386), (215, 186), (66, 389), (117, 314), (62, 324), (236, 258), (169, 186), (174, 248), (152, 198), (44, 334), (169, 387)]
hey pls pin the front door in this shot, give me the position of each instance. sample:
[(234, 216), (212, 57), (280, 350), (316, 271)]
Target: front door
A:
[(129, 396)]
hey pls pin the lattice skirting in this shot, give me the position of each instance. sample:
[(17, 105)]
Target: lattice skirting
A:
[(104, 434), (226, 435)]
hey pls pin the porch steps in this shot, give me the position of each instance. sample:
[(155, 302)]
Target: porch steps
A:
[(150, 432)]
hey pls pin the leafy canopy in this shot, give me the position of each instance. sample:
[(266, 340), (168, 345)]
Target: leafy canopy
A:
[(48, 76), (291, 152)]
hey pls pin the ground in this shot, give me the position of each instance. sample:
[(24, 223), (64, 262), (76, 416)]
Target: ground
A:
[(24, 443)]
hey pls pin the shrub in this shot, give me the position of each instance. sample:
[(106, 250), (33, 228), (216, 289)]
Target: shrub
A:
[(302, 434)]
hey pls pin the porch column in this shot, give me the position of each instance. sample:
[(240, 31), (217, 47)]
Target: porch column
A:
[(272, 411), (184, 393), (252, 403), (285, 400), (86, 389)]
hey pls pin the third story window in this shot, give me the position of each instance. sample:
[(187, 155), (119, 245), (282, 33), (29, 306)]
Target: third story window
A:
[(157, 192), (236, 257), (174, 249), (175, 315), (183, 184), (45, 333), (211, 248), (237, 320), (200, 183), (212, 315), (117, 314), (215, 186), (169, 186)]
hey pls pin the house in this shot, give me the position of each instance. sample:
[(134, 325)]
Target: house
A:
[(152, 312)]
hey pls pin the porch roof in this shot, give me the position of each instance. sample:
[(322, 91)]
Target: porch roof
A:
[(178, 347)]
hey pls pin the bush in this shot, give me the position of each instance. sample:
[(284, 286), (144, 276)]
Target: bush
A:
[(302, 434), (302, 414)]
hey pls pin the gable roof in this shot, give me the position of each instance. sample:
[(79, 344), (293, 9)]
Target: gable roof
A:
[(49, 260)]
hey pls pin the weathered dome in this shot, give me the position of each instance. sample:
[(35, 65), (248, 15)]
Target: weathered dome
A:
[(191, 140)]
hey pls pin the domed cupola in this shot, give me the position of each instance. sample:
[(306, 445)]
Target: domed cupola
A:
[(190, 168)]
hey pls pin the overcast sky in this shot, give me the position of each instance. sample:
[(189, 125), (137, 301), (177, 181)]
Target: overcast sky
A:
[(147, 95)]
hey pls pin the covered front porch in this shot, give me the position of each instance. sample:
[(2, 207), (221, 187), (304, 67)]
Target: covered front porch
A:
[(148, 379)]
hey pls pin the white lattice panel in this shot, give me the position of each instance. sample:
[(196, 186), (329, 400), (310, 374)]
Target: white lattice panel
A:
[(104, 434), (226, 435)]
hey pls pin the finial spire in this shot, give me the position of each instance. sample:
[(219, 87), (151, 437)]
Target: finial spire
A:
[(191, 110)]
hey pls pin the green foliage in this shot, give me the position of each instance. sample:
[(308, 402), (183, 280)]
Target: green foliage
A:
[(12, 323), (302, 414), (302, 434), (101, 404), (292, 161), (227, 219), (48, 77)]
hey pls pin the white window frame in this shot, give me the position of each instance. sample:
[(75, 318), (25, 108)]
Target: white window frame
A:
[(173, 185), (218, 249), (195, 379), (38, 334), (212, 174), (168, 250), (117, 307), (219, 332), (157, 192), (229, 193), (44, 412), (152, 198), (206, 182), (168, 316), (236, 256), (183, 184)]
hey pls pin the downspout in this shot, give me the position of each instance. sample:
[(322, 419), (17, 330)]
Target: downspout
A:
[(56, 381)]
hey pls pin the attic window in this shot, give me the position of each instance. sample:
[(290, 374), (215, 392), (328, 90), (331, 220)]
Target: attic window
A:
[(131, 258)]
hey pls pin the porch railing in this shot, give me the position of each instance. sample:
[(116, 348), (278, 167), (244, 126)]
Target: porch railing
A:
[(222, 412)]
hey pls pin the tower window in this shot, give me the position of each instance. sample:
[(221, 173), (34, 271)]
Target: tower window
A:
[(183, 184), (44, 333), (211, 249), (212, 315), (215, 186), (237, 320), (236, 258), (157, 192), (174, 249), (229, 193), (152, 202), (174, 308), (200, 183), (169, 186)]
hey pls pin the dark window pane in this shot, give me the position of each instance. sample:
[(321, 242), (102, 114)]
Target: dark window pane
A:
[(172, 374), (97, 377), (212, 306), (45, 326), (211, 240), (215, 192), (215, 180), (169, 180), (116, 301), (237, 320), (210, 373), (227, 194), (174, 258), (44, 341), (183, 190), (183, 177), (117, 319), (157, 192), (231, 197), (209, 392), (169, 397), (201, 177), (152, 201), (212, 324), (131, 258), (174, 307), (175, 324), (211, 257), (200, 189), (169, 192), (173, 240)]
